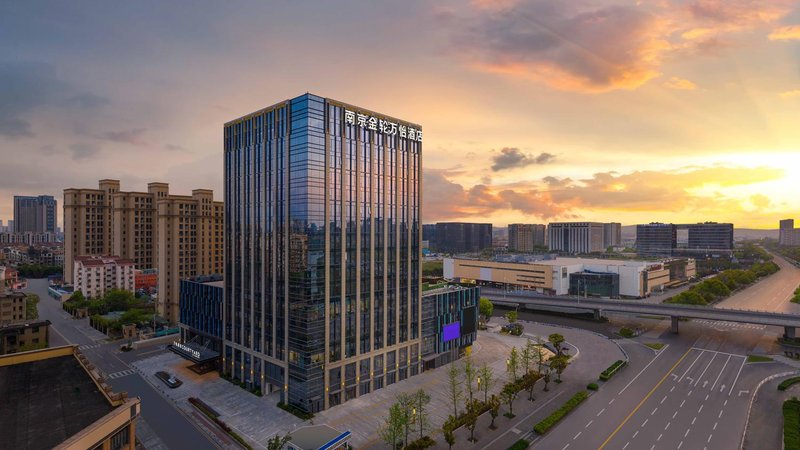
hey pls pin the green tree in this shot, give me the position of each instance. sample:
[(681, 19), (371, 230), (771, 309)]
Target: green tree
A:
[(559, 363), (277, 442), (485, 308), (512, 363), (485, 380), (421, 400), (546, 379), (118, 300), (511, 316), (470, 372), (31, 307), (448, 429), (509, 394), (557, 341), (526, 357), (393, 425), (407, 406), (471, 420), (494, 409), (77, 297), (454, 383)]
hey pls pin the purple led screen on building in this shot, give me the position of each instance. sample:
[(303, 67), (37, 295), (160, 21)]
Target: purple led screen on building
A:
[(451, 331)]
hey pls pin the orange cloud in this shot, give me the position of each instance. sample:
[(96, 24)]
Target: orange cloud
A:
[(553, 198), (572, 47), (791, 32), (790, 94), (680, 84)]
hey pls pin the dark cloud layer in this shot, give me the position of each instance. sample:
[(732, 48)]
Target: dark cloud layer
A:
[(27, 88), (511, 158)]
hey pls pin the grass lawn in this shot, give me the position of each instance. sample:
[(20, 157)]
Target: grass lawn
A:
[(655, 345), (758, 358)]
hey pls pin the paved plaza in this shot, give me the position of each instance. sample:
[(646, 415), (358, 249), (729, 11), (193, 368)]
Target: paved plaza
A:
[(257, 419)]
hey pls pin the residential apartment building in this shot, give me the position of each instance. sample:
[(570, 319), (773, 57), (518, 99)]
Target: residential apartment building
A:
[(179, 235), (95, 275), (190, 230), (87, 223), (576, 237), (27, 238), (523, 237), (788, 234), (462, 237), (35, 214)]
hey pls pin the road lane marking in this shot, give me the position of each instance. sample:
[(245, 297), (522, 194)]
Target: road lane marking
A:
[(720, 372), (659, 437), (649, 394), (611, 401), (682, 402), (687, 432), (709, 439), (667, 427), (690, 367), (662, 400), (706, 397), (672, 388), (744, 360), (680, 445), (645, 422), (701, 408), (693, 420), (626, 445), (577, 435), (645, 368), (590, 422), (674, 414), (704, 370), (726, 403), (565, 447), (715, 426), (635, 434), (720, 415), (654, 411), (601, 412)]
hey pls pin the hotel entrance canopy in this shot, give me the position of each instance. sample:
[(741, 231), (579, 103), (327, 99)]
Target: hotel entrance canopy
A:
[(193, 352)]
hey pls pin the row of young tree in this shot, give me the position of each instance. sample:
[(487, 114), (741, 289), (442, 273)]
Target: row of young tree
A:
[(469, 388)]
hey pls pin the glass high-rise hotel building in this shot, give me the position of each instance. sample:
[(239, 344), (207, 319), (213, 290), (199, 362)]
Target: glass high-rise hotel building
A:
[(322, 251)]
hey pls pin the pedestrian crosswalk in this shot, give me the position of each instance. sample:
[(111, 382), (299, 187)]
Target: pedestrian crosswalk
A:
[(120, 374), (89, 346), (729, 324)]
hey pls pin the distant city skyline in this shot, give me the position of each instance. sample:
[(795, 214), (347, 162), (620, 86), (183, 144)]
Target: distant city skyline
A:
[(534, 111)]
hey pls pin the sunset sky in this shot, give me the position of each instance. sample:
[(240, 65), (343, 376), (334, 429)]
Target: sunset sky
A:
[(533, 111)]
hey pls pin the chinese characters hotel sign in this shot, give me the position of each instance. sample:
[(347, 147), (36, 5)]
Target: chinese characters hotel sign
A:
[(384, 126)]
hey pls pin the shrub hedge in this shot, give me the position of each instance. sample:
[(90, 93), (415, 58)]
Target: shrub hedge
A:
[(613, 369), (592, 386), (788, 382), (551, 420), (791, 424), (521, 444)]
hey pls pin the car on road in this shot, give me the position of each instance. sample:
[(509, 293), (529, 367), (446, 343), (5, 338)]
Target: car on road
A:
[(168, 379)]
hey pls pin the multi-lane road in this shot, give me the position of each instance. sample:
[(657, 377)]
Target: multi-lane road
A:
[(771, 293), (162, 424)]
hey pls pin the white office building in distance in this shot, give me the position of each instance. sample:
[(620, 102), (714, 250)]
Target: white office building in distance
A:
[(576, 237), (95, 275)]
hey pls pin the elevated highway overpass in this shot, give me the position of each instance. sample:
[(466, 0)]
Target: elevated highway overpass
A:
[(789, 322)]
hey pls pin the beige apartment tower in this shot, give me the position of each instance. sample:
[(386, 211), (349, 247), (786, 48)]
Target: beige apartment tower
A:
[(106, 221), (189, 244)]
